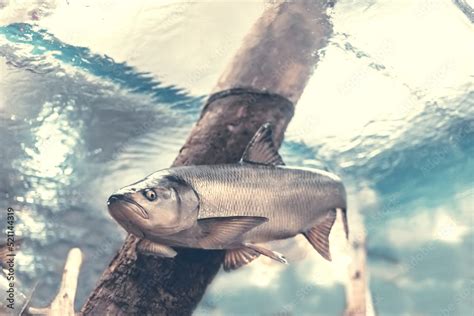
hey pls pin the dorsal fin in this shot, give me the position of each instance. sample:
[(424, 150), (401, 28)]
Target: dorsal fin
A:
[(261, 148)]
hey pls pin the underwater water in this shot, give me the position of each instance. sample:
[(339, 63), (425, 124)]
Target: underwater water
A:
[(97, 95)]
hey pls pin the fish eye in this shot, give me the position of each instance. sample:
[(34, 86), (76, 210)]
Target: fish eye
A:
[(150, 195)]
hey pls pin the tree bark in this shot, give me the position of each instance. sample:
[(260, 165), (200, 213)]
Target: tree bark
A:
[(261, 85)]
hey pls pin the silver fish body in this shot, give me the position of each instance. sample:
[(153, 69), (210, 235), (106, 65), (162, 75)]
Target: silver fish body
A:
[(293, 199)]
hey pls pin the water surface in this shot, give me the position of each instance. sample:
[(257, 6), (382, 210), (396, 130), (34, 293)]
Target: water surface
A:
[(86, 108)]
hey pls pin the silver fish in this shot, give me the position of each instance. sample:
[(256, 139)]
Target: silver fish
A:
[(232, 206)]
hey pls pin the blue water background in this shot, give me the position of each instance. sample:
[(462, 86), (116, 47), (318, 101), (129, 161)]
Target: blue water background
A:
[(76, 124)]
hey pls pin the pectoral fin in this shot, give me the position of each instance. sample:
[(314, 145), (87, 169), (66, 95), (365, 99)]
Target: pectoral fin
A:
[(269, 253), (235, 258), (261, 148), (318, 236), (217, 232), (151, 248)]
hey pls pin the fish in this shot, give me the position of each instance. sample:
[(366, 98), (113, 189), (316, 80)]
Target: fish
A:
[(234, 207)]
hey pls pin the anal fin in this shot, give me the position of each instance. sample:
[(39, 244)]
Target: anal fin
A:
[(152, 248), (235, 258), (318, 236), (267, 252)]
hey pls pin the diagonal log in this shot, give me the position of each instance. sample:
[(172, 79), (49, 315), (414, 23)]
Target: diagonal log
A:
[(262, 84)]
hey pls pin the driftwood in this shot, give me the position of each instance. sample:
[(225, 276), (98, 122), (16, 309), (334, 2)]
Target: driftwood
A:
[(261, 85), (63, 303)]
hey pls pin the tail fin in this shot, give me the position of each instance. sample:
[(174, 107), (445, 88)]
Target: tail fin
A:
[(344, 221)]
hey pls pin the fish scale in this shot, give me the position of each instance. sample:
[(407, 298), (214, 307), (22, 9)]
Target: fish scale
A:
[(293, 200)]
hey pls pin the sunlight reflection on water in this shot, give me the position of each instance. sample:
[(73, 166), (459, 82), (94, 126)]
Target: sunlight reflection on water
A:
[(390, 107)]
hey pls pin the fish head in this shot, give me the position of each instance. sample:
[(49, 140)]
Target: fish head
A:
[(159, 205)]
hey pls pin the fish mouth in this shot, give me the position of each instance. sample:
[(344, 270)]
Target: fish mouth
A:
[(138, 209), (123, 219)]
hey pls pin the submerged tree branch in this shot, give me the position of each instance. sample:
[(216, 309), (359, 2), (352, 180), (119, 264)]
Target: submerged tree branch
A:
[(63, 303), (261, 85)]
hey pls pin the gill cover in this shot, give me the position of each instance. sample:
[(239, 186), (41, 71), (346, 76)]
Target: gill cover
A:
[(176, 208)]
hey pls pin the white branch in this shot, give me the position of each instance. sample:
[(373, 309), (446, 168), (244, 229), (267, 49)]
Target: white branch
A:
[(63, 303)]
